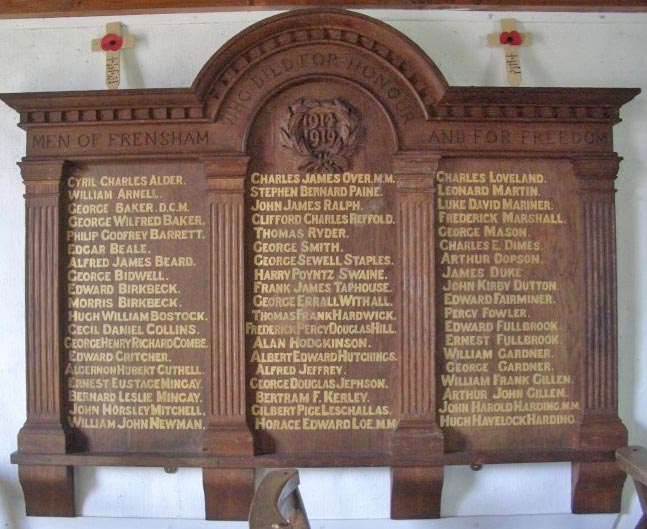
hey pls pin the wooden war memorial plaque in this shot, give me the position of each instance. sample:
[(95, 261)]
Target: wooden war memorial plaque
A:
[(320, 255)]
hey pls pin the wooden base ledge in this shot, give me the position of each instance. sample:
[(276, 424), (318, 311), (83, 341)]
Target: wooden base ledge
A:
[(415, 490), (118, 459)]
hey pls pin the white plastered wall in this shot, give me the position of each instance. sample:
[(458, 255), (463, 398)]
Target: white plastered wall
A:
[(586, 50)]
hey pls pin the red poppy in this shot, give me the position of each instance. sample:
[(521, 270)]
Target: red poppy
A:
[(111, 42), (512, 38)]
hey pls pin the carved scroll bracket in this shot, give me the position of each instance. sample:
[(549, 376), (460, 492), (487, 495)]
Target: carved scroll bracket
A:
[(597, 487), (416, 492)]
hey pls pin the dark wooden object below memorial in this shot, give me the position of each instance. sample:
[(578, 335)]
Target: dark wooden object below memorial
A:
[(320, 255), (278, 503), (633, 461)]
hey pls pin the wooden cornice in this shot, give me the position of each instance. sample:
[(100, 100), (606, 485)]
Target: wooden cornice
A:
[(121, 106), (182, 105), (65, 8)]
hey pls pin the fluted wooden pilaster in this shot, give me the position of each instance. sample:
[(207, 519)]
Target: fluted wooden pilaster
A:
[(418, 431), (228, 493), (45, 431), (597, 487), (595, 178), (228, 390), (416, 491), (226, 413)]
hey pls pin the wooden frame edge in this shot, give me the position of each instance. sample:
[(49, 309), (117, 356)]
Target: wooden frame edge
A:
[(60, 8)]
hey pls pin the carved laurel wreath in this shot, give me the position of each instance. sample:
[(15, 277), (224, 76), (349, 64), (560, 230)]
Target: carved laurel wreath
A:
[(330, 157)]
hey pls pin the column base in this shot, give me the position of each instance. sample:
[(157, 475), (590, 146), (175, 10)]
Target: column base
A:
[(44, 438), (601, 433), (228, 439), (417, 438)]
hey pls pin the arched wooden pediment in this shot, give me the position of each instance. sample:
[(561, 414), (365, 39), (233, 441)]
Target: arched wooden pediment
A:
[(320, 43)]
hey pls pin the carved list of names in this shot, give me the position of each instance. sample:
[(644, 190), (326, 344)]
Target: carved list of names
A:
[(503, 287), (321, 321), (133, 341)]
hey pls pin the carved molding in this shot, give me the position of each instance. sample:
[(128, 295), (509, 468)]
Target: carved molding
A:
[(536, 104), (183, 106), (323, 133), (323, 29), (416, 170), (43, 179), (600, 167), (520, 112), (233, 165), (60, 8), (132, 106), (111, 115), (454, 112), (313, 36), (305, 28)]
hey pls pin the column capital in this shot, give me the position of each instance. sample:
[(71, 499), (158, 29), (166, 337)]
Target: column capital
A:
[(416, 162), (229, 165), (42, 177), (416, 171), (226, 173), (41, 170), (596, 167)]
